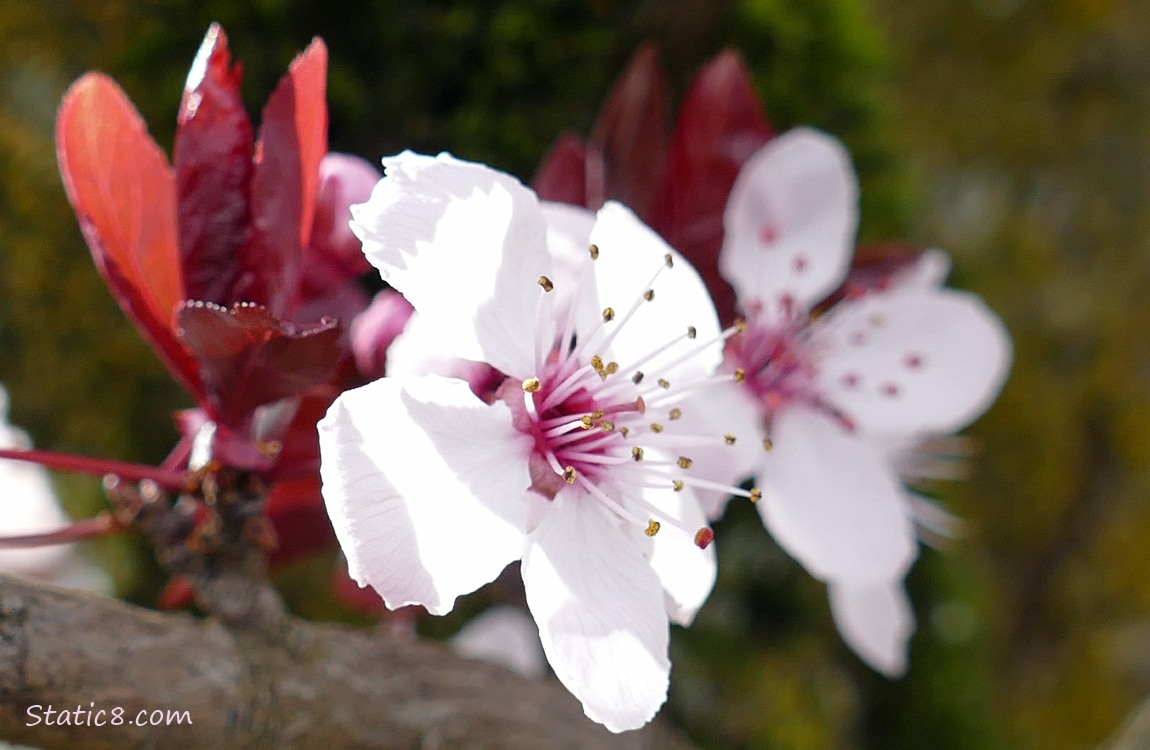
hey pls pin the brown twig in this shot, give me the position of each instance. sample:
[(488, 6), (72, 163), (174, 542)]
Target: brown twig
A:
[(305, 686)]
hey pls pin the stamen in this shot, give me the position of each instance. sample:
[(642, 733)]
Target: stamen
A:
[(546, 283), (669, 260), (570, 475), (677, 484), (532, 385), (675, 413), (594, 251), (653, 527), (637, 378), (740, 375), (649, 295), (656, 427), (684, 462), (692, 332), (663, 383), (729, 439), (608, 314), (637, 453), (768, 444), (756, 495), (704, 537)]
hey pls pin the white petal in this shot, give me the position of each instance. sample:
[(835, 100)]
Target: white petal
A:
[(790, 221), (915, 361), (876, 621), (505, 636), (832, 502), (630, 253), (599, 607), (466, 245), (687, 572), (425, 485), (723, 410), (930, 269)]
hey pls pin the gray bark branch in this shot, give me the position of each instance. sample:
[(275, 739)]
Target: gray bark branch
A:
[(299, 685)]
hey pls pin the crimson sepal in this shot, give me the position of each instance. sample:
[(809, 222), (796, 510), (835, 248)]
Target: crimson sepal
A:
[(721, 124), (213, 162), (248, 357), (123, 191), (631, 133), (292, 141)]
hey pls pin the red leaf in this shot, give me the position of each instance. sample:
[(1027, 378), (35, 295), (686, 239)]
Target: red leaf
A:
[(721, 124), (213, 157), (248, 357), (632, 133), (293, 140), (124, 195), (297, 513), (572, 172)]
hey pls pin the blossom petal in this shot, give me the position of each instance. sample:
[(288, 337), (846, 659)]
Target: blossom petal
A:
[(630, 254), (913, 361), (876, 621), (425, 487), (465, 245), (831, 501), (686, 571), (599, 607), (505, 636), (790, 221)]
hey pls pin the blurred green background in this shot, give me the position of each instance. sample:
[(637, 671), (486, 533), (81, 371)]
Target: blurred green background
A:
[(1014, 133)]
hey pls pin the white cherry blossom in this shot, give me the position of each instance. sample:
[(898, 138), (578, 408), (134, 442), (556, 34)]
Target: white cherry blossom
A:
[(576, 463), (832, 391)]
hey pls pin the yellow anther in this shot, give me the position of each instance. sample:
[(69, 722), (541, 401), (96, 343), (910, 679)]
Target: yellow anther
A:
[(608, 314), (740, 375), (677, 484), (756, 495), (656, 427), (587, 421), (669, 260), (729, 439), (637, 378), (649, 295), (597, 414), (637, 453), (607, 425), (594, 250), (653, 527), (675, 413), (570, 475), (664, 383), (612, 368), (546, 283), (597, 363), (532, 385), (624, 431), (684, 462), (740, 325), (768, 443), (691, 332)]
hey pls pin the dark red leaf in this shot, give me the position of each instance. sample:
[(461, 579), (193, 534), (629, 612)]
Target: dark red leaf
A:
[(296, 510), (248, 357), (213, 158), (572, 172), (632, 133), (721, 124), (293, 140), (124, 195)]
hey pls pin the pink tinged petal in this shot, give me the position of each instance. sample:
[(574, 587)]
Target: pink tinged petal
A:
[(343, 180), (425, 487), (630, 253), (832, 503), (791, 219), (374, 330), (600, 611), (925, 360), (876, 621), (929, 270), (466, 245), (686, 571)]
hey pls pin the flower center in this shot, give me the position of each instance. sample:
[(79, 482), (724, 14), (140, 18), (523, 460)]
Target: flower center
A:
[(611, 429)]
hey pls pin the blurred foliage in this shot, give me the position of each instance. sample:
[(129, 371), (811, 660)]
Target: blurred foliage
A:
[(1012, 132)]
